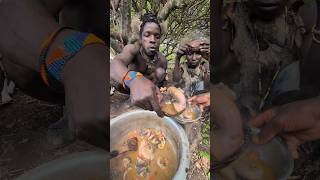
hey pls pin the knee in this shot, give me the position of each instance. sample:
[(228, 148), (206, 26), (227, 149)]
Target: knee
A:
[(160, 74)]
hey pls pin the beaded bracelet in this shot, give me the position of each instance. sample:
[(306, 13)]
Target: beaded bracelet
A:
[(51, 66), (129, 76)]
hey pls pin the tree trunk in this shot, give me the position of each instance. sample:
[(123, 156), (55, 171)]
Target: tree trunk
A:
[(126, 18)]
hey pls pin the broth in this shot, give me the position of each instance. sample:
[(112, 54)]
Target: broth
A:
[(252, 158), (155, 158)]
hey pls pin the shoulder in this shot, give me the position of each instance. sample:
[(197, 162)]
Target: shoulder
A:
[(128, 53), (131, 48)]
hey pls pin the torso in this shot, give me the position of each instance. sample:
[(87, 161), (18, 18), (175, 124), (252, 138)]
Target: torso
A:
[(257, 68), (145, 66), (192, 79)]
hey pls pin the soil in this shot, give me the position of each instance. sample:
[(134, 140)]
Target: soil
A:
[(24, 141)]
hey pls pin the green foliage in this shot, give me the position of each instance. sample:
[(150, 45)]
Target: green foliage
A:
[(193, 15), (205, 133), (204, 154)]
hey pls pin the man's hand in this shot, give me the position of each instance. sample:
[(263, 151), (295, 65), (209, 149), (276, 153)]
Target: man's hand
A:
[(205, 50), (145, 94), (202, 100), (183, 49), (296, 122)]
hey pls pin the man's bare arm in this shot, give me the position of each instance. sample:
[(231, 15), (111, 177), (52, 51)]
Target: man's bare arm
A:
[(164, 62), (119, 65), (176, 70), (85, 89)]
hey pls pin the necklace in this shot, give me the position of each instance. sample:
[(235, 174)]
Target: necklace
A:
[(263, 96), (151, 63), (147, 58)]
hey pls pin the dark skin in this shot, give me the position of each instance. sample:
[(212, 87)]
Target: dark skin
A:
[(143, 91), (20, 44), (266, 11), (297, 122), (194, 56)]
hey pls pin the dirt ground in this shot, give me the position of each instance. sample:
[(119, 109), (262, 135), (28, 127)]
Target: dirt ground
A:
[(307, 167), (23, 136)]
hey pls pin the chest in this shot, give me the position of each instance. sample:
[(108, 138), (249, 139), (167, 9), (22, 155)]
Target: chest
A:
[(144, 65)]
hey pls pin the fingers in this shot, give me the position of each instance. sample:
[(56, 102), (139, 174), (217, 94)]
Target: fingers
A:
[(204, 48), (180, 52), (143, 104), (159, 97), (201, 108), (292, 143), (268, 132), (203, 99), (155, 105), (183, 49), (193, 99), (262, 118)]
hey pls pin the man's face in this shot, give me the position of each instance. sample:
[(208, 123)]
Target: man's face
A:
[(194, 55), (267, 9), (194, 58), (150, 38)]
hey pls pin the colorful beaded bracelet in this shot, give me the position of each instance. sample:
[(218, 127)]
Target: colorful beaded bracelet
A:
[(54, 64), (129, 76)]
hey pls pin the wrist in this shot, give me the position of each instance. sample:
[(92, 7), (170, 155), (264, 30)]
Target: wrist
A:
[(130, 77), (178, 56)]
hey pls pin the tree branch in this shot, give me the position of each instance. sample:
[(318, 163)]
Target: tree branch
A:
[(168, 8), (120, 37)]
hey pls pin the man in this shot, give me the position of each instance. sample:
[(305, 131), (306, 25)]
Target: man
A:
[(264, 48), (43, 58), (193, 76), (140, 67)]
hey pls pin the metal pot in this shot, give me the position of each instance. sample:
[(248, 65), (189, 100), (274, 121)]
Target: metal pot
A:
[(129, 121), (89, 165)]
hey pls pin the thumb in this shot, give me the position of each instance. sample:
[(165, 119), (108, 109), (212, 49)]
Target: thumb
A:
[(192, 99), (268, 132), (159, 95), (293, 144), (201, 107)]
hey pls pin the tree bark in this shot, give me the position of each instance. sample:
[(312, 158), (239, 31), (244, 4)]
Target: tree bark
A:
[(126, 18), (169, 7)]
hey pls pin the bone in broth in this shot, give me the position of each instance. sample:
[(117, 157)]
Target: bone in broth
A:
[(154, 158)]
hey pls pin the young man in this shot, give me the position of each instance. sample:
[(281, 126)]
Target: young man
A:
[(193, 76), (44, 59), (140, 67)]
